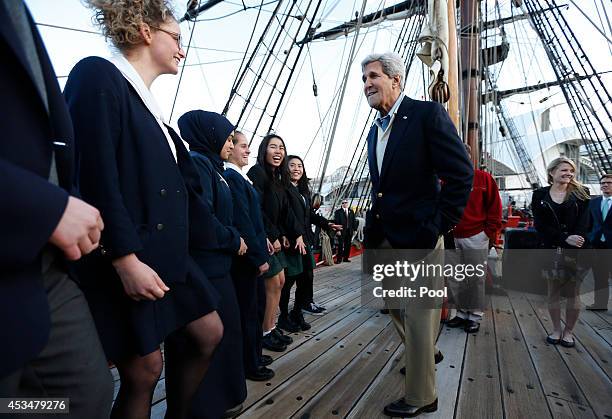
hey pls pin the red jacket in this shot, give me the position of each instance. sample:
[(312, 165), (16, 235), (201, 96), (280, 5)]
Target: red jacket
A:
[(483, 211)]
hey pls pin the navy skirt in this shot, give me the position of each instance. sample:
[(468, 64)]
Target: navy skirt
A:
[(127, 327)]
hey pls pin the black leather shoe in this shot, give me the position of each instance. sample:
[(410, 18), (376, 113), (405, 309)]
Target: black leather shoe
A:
[(271, 343), (567, 343), (265, 360), (471, 326), (298, 318), (437, 359), (287, 324), (279, 335), (384, 311), (455, 322), (402, 409), (594, 307), (261, 374), (346, 260), (233, 412)]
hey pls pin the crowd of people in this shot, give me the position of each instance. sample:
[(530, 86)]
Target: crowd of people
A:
[(124, 235)]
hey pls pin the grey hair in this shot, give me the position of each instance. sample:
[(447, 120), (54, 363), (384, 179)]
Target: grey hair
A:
[(392, 65)]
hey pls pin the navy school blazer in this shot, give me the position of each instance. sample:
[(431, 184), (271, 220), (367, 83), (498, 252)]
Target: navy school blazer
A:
[(31, 206), (247, 217), (128, 172), (411, 207)]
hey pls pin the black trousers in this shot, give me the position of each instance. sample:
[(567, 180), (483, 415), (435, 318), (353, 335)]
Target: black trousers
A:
[(344, 245), (246, 284), (602, 269), (303, 289), (72, 364)]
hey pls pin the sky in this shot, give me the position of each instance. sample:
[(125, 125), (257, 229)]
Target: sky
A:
[(221, 41)]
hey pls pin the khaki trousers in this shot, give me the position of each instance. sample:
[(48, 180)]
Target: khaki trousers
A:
[(418, 330)]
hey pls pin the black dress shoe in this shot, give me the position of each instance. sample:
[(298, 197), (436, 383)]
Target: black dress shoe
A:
[(594, 307), (567, 343), (384, 311), (298, 318), (265, 360), (233, 412), (471, 326), (402, 409), (455, 322), (279, 335), (271, 343), (261, 374), (437, 359), (286, 323), (346, 260)]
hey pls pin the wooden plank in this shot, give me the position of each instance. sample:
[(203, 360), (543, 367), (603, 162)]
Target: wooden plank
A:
[(480, 388), (595, 345), (598, 324), (521, 391), (451, 342), (557, 380), (286, 399), (290, 364), (594, 383), (340, 394), (384, 389)]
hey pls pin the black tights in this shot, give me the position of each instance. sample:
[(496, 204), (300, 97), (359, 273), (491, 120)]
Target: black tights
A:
[(139, 375)]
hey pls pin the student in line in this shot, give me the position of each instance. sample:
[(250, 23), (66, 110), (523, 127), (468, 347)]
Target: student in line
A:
[(210, 137), (248, 270), (270, 178), (141, 285)]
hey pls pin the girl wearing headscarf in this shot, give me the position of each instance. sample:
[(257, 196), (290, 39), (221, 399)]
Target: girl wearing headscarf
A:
[(141, 284), (223, 389)]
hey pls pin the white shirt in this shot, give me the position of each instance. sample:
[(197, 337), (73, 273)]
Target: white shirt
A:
[(132, 76), (383, 136)]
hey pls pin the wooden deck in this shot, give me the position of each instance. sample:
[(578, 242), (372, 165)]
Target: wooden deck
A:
[(347, 365)]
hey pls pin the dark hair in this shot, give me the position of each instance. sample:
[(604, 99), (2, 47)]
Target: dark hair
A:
[(303, 184), (278, 175), (605, 176)]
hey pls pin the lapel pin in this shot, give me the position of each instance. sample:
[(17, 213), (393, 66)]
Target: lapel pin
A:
[(404, 117)]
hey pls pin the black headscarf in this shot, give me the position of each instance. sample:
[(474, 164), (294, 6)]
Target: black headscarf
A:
[(206, 133)]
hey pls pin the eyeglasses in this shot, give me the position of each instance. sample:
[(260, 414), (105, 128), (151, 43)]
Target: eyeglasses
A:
[(175, 35)]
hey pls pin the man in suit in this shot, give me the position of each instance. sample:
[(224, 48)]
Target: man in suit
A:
[(49, 343), (600, 237), (345, 217), (412, 146)]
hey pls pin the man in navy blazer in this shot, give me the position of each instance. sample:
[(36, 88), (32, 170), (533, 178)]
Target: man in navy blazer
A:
[(421, 180), (600, 237), (49, 346)]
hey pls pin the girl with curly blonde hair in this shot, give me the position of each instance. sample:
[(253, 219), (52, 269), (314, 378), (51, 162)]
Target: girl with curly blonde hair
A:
[(143, 285)]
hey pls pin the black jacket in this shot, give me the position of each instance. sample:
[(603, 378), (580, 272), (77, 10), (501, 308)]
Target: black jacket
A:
[(129, 174), (555, 223), (31, 206), (247, 218), (305, 215), (348, 225), (278, 217), (425, 180)]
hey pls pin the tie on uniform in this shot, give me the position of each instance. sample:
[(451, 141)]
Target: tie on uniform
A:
[(604, 213)]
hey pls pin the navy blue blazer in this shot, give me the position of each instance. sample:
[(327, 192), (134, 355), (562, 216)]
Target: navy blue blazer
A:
[(247, 217), (215, 258), (600, 226), (411, 207), (31, 206), (127, 171)]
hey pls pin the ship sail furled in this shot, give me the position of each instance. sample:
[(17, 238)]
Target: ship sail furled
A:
[(434, 49)]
